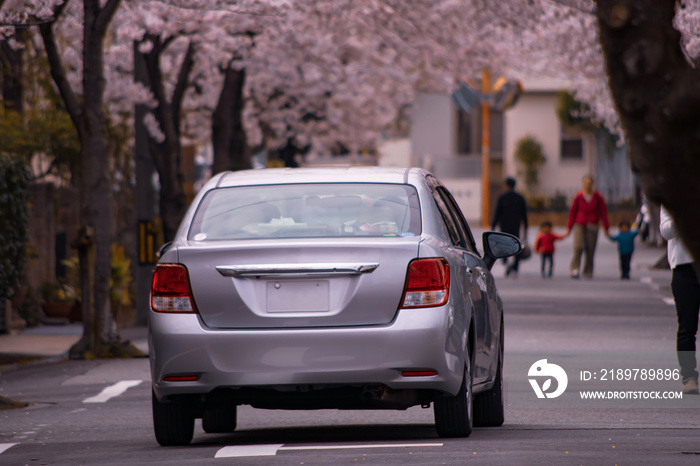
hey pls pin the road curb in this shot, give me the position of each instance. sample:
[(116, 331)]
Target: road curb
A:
[(33, 362)]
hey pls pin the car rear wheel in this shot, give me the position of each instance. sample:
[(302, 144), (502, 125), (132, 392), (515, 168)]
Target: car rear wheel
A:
[(453, 414), (219, 419), (173, 422), (488, 406)]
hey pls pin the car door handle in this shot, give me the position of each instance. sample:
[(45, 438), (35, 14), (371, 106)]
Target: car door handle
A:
[(295, 270)]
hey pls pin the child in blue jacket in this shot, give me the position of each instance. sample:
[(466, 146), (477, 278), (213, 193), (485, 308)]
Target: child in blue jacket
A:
[(625, 246)]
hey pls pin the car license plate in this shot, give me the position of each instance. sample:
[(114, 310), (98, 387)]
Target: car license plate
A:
[(298, 296)]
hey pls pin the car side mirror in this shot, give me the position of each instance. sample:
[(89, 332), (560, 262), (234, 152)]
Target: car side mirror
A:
[(499, 245)]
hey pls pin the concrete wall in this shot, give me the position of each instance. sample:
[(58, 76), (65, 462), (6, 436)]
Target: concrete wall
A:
[(433, 141), (535, 115), (394, 153), (432, 131), (52, 211), (467, 193)]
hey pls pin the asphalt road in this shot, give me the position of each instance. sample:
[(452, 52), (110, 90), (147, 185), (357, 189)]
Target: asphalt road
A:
[(98, 412)]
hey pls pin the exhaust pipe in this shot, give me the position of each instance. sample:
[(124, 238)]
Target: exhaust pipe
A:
[(380, 396)]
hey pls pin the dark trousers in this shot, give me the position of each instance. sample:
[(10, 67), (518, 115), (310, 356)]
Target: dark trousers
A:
[(625, 260), (686, 292), (513, 263), (544, 259)]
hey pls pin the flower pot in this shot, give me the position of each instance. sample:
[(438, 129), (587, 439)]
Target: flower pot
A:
[(57, 309)]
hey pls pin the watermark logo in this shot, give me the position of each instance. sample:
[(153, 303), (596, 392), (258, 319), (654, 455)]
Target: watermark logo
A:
[(543, 369)]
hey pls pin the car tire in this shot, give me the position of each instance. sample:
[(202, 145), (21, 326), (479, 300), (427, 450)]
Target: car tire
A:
[(453, 414), (219, 419), (173, 422), (489, 405)]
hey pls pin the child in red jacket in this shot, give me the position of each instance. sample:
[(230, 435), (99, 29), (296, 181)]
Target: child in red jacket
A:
[(544, 244)]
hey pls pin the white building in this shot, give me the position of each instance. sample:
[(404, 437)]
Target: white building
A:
[(570, 152), (447, 142)]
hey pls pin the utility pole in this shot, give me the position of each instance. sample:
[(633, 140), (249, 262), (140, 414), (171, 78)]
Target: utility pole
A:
[(485, 149)]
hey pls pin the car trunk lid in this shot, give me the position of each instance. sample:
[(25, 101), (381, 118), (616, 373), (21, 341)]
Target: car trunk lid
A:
[(299, 283)]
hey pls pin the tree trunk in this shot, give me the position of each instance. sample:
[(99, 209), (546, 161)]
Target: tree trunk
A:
[(231, 151), (100, 336), (97, 206), (657, 95), (172, 204), (167, 154), (11, 63)]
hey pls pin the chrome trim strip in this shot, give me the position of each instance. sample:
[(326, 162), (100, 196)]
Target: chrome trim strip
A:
[(299, 270)]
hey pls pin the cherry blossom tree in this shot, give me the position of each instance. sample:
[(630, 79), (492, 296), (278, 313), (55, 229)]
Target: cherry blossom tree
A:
[(84, 102), (86, 108), (189, 51), (650, 49), (342, 72), (315, 73)]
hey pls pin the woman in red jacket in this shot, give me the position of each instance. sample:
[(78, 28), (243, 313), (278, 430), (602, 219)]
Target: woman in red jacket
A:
[(587, 211)]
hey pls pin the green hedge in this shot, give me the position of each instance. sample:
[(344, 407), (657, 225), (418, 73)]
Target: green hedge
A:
[(14, 197)]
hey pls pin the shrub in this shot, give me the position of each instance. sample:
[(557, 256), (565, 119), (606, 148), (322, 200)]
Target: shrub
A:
[(528, 151), (14, 196)]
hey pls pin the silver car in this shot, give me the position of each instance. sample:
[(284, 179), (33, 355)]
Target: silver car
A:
[(342, 288)]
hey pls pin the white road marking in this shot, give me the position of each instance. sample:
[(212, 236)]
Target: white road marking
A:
[(112, 391), (362, 447), (6, 446), (645, 280), (248, 450), (669, 301), (271, 450)]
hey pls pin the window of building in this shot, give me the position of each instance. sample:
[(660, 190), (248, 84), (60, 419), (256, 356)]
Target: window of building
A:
[(469, 131), (464, 133), (571, 143)]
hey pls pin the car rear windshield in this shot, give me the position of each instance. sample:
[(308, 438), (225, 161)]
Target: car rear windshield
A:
[(307, 211)]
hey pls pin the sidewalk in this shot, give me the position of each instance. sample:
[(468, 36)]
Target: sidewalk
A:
[(50, 343)]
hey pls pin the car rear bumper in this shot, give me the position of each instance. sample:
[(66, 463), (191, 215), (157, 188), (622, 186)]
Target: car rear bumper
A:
[(288, 359)]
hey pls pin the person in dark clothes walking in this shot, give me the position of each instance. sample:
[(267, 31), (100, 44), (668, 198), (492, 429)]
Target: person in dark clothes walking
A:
[(511, 212)]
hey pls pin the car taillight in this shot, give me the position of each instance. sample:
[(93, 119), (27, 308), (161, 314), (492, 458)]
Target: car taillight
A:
[(170, 289), (427, 283)]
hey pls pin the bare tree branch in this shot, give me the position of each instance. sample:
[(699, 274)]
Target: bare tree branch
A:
[(106, 14), (183, 78), (30, 23), (58, 73)]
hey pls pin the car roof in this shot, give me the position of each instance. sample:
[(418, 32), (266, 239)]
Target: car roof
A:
[(358, 174)]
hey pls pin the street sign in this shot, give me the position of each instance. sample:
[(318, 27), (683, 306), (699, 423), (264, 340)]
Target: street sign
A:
[(466, 98), (148, 236)]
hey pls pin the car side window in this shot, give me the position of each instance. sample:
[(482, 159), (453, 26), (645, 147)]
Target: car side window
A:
[(455, 237), (460, 221)]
